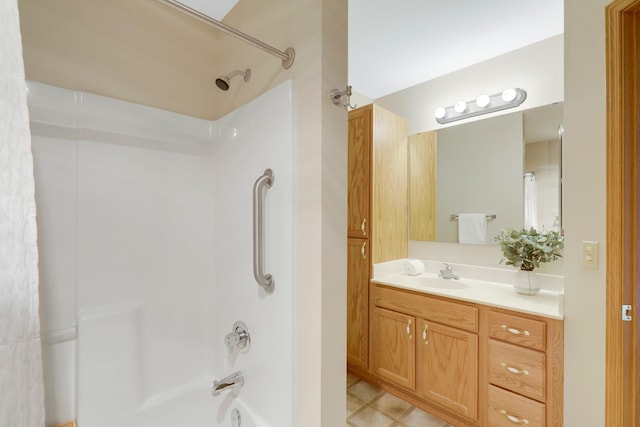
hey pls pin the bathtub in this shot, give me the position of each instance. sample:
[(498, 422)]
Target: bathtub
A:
[(121, 385), (193, 406)]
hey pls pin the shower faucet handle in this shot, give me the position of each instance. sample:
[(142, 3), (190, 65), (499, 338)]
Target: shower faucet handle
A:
[(239, 338)]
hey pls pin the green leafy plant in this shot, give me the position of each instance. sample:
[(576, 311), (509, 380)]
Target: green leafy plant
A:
[(527, 249)]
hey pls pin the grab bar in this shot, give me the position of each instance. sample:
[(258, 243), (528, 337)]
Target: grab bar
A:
[(264, 280)]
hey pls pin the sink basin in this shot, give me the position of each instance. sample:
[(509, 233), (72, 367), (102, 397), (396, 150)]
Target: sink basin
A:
[(437, 282)]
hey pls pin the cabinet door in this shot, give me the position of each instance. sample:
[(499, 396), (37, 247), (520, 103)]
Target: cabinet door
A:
[(357, 302), (448, 367), (358, 199), (393, 347)]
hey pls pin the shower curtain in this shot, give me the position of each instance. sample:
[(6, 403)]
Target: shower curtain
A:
[(530, 201), (21, 386)]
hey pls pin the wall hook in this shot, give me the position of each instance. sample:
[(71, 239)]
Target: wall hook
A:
[(336, 97)]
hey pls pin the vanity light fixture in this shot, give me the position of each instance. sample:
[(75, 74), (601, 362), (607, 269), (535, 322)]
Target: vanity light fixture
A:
[(508, 95), (483, 101), (483, 104), (460, 107)]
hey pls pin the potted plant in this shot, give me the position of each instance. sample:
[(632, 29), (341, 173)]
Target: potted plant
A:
[(526, 250)]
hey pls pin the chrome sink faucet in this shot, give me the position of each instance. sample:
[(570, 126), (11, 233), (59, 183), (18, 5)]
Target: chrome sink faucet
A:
[(447, 273)]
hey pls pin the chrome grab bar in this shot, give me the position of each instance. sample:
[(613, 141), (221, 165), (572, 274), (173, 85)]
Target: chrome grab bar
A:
[(264, 280)]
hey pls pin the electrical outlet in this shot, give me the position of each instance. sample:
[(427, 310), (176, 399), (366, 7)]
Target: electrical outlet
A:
[(589, 255)]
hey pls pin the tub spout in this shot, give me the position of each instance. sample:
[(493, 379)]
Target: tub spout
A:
[(233, 381)]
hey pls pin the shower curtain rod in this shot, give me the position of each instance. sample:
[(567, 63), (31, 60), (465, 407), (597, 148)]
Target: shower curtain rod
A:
[(287, 56)]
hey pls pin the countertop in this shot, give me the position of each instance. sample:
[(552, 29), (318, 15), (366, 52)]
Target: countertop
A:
[(546, 303)]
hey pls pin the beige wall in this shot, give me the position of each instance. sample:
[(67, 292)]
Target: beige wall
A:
[(536, 68), (584, 210), (145, 53)]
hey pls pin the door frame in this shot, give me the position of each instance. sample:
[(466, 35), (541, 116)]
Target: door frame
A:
[(623, 69)]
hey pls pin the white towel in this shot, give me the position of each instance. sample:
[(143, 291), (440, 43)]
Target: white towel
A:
[(413, 267), (472, 228)]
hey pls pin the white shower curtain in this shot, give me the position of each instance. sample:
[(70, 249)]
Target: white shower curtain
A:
[(21, 387), (530, 201)]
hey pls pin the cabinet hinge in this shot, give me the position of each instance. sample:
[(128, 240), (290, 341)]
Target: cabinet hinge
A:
[(625, 313)]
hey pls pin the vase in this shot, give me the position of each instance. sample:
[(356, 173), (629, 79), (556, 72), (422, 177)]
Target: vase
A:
[(526, 282)]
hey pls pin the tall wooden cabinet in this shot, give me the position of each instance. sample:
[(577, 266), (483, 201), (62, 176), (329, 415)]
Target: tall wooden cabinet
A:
[(357, 302), (377, 213)]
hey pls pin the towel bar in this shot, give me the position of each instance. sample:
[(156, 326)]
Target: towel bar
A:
[(490, 217)]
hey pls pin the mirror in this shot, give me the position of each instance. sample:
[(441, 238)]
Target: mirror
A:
[(507, 167)]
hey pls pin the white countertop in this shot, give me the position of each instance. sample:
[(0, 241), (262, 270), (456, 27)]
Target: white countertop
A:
[(546, 303)]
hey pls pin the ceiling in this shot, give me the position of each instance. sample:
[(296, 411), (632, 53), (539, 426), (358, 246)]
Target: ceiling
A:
[(394, 45), (216, 9)]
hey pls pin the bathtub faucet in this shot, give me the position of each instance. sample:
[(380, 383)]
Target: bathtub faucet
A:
[(233, 381)]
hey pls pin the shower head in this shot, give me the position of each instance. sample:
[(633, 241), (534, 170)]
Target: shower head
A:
[(223, 81)]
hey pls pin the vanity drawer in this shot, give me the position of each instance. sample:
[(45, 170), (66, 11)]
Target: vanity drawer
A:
[(517, 369), (437, 310), (518, 330), (508, 409)]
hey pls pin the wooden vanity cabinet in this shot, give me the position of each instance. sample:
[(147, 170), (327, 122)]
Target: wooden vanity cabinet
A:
[(428, 346), (376, 214), (393, 347), (470, 364), (524, 369), (447, 367)]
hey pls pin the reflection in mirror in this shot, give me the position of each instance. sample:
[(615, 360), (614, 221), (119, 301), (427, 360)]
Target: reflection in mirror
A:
[(507, 166)]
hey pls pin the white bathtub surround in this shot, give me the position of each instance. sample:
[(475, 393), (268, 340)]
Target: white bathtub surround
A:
[(490, 286), (252, 139), (153, 210), (21, 386)]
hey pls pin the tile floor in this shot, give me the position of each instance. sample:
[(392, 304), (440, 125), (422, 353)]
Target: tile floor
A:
[(368, 406)]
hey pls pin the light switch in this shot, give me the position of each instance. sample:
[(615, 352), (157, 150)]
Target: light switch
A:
[(589, 255)]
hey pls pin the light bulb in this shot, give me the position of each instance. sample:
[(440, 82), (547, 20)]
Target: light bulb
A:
[(509, 95), (483, 101), (460, 107), (440, 113)]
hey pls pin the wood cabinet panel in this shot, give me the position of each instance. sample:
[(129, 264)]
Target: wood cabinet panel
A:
[(420, 305), (389, 186), (508, 409), (422, 185), (359, 173), (518, 330), (357, 303), (518, 369), (393, 347), (448, 367)]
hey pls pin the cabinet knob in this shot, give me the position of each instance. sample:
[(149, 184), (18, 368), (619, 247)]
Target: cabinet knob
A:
[(409, 329), (424, 334), (513, 370), (363, 250), (515, 331), (363, 226), (514, 419)]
